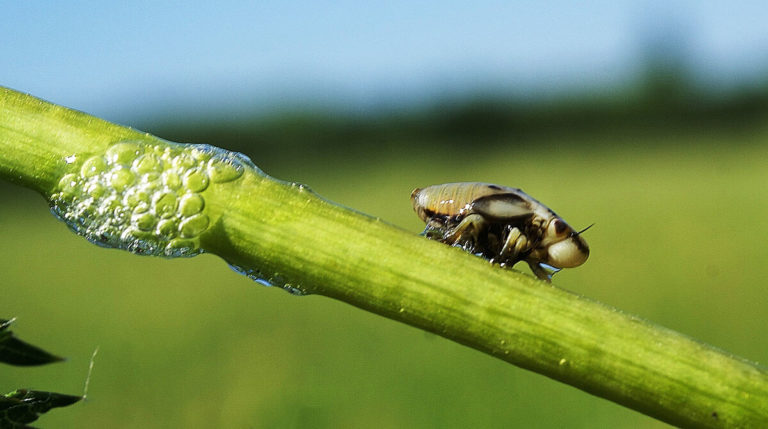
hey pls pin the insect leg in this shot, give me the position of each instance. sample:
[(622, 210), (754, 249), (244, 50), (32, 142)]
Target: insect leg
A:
[(515, 244), (541, 272), (435, 230), (465, 234)]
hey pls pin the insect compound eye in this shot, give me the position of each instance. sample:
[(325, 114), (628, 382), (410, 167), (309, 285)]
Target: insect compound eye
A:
[(558, 228)]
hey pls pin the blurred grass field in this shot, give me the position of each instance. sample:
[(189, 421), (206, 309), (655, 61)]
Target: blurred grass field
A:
[(679, 239)]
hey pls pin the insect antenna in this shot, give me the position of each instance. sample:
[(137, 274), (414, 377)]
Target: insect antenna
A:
[(579, 233)]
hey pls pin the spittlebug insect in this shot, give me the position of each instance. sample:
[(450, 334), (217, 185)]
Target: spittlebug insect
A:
[(502, 224)]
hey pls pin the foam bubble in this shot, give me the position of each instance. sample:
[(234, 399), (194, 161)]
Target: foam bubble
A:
[(144, 197)]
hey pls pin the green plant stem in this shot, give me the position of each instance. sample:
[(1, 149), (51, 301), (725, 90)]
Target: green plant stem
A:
[(37, 138), (290, 235)]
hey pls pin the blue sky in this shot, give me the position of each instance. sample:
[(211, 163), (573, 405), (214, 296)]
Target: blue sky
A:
[(133, 59)]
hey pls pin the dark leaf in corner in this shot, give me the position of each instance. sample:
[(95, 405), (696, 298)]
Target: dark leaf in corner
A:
[(24, 406), (16, 352)]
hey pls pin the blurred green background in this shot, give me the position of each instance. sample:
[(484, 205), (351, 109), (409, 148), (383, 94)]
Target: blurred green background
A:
[(671, 167)]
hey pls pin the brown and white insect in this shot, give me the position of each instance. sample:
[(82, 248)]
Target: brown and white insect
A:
[(502, 224)]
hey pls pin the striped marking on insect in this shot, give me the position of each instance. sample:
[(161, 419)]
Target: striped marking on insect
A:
[(502, 224)]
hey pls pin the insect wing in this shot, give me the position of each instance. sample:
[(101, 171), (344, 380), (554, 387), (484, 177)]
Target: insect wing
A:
[(508, 207)]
